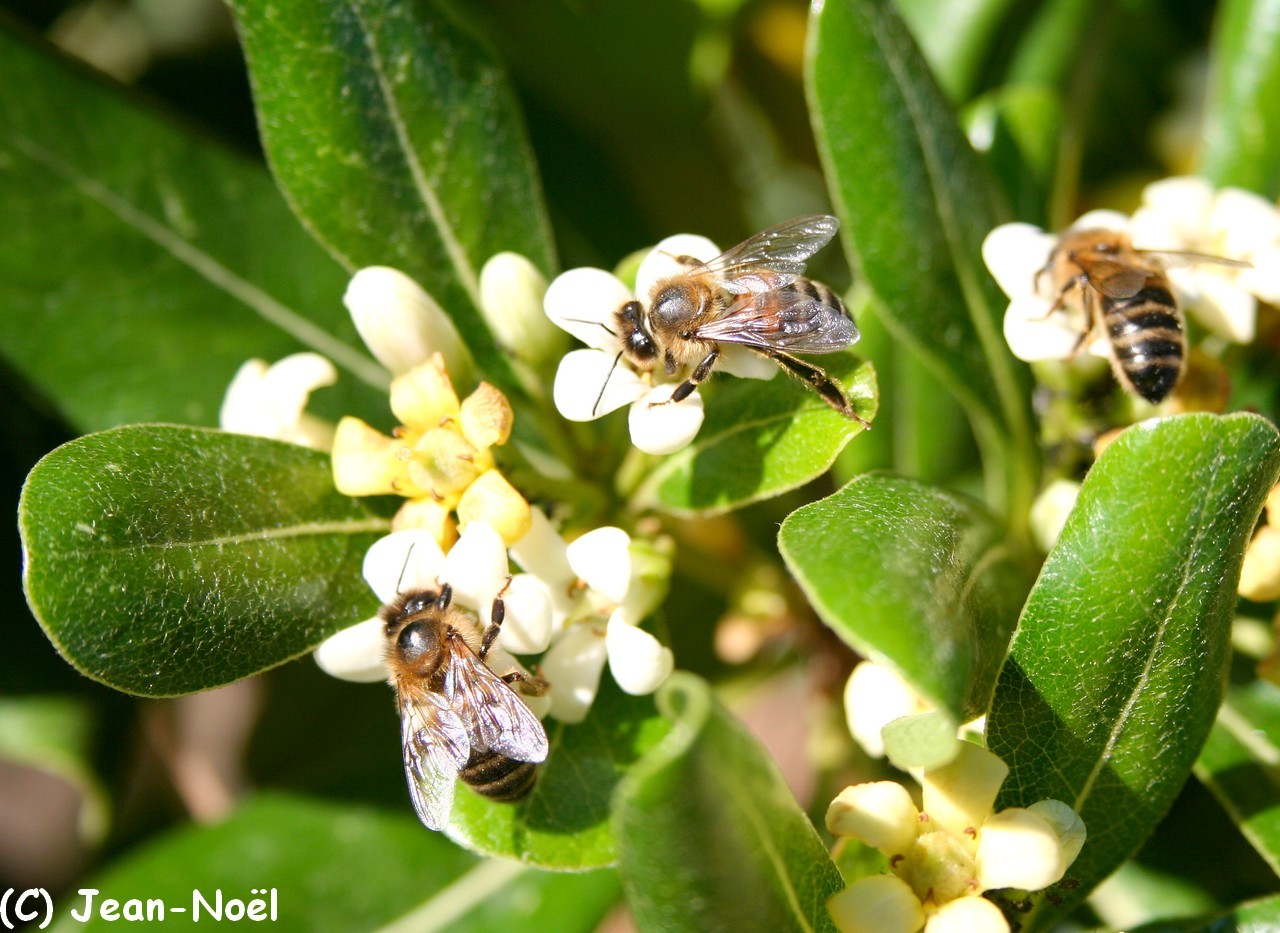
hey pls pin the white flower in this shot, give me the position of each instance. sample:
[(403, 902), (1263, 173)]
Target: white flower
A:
[(401, 324), (270, 400), (476, 569), (597, 603), (946, 854), (874, 696), (591, 383), (1050, 510), (511, 294), (1186, 214)]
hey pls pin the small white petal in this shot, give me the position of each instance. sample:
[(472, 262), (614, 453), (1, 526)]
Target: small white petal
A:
[(877, 904), (638, 661), (591, 383), (602, 559), (1263, 279), (875, 696), (401, 324), (1103, 220), (1018, 849), (1014, 253), (292, 379), (476, 567), (512, 293), (357, 653), (743, 363), (967, 915), (1222, 304), (1050, 510), (1034, 334), (583, 302), (659, 426), (1175, 214), (661, 262), (1066, 823), (403, 562), (1245, 222), (880, 813), (542, 553), (527, 627), (270, 401), (960, 794), (573, 667)]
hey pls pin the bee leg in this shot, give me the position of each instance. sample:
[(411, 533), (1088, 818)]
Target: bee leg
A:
[(698, 376), (529, 685), (1079, 281), (823, 384), (496, 616), (445, 597)]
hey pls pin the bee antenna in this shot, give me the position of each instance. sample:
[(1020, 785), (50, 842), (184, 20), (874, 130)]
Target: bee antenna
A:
[(596, 406), (579, 320), (404, 567)]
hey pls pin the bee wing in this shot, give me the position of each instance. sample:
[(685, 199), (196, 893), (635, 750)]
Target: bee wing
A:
[(1117, 279), (794, 322), (779, 252), (497, 719), (436, 746), (1175, 258)]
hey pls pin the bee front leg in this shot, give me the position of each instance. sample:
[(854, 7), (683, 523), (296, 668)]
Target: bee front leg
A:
[(496, 616), (696, 378)]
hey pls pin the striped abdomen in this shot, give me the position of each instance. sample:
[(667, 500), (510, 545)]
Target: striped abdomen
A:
[(1147, 341), (818, 292), (498, 777)]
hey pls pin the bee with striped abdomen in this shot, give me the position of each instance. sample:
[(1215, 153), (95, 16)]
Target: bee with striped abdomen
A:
[(754, 295), (1124, 292), (458, 718)]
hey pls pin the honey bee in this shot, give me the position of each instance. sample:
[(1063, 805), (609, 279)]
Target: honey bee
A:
[(754, 295), (458, 718), (1124, 292)]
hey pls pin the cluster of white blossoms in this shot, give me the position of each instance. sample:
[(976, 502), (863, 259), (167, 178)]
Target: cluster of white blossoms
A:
[(591, 383), (944, 855), (1177, 215), (581, 602)]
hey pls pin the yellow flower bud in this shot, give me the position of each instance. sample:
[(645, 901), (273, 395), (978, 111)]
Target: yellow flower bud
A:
[(878, 904), (495, 502), (960, 795), (366, 462), (486, 417), (880, 813)]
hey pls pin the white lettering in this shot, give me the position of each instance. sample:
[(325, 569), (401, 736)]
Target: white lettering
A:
[(110, 909), (198, 901), (87, 894)]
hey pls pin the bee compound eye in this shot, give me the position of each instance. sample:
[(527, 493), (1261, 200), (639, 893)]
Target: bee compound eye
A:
[(415, 640)]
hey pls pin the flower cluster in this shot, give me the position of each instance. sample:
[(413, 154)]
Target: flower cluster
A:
[(943, 856), (1178, 215), (591, 383)]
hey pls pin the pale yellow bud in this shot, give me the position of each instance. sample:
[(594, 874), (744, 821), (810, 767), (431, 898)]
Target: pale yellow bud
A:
[(1066, 823), (495, 502), (400, 323), (967, 915), (960, 795), (431, 517), (1260, 572), (511, 293), (878, 904), (880, 813), (486, 417), (366, 462), (423, 397), (1019, 849)]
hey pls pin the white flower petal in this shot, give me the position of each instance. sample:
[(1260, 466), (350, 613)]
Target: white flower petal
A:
[(403, 562), (743, 363), (357, 653), (1222, 304), (877, 904), (527, 627), (476, 567), (637, 660), (1263, 279), (1066, 823), (875, 696), (1175, 214), (573, 667), (401, 324), (583, 302), (1014, 253), (1018, 849), (591, 383), (602, 559), (1245, 223), (270, 400), (1033, 334), (1050, 510), (879, 813), (960, 795), (290, 382), (659, 426), (1103, 220), (542, 552), (661, 262), (967, 915)]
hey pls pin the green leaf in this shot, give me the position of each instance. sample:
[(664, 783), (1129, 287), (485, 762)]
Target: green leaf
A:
[(1238, 763), (337, 867), (709, 836), (395, 137), (564, 823), (163, 560), (1020, 126), (1242, 117), (914, 577), (143, 263), (956, 38), (1258, 916), (1116, 671), (915, 235), (759, 440)]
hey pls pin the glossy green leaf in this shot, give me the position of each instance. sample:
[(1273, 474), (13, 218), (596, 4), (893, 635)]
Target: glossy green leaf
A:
[(914, 577), (709, 836), (1019, 130), (759, 439), (915, 233), (956, 38), (564, 823), (1238, 763), (163, 560), (333, 867), (1242, 118), (1116, 671), (395, 136), (1258, 916), (143, 263)]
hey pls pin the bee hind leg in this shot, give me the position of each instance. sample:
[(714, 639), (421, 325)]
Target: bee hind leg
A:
[(823, 384), (526, 683), (497, 614)]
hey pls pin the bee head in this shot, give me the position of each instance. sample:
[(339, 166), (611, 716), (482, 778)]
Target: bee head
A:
[(637, 343)]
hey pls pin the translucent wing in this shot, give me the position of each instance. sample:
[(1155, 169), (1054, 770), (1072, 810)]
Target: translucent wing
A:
[(1172, 259), (1117, 279), (791, 321), (435, 746), (772, 258), (496, 718)]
